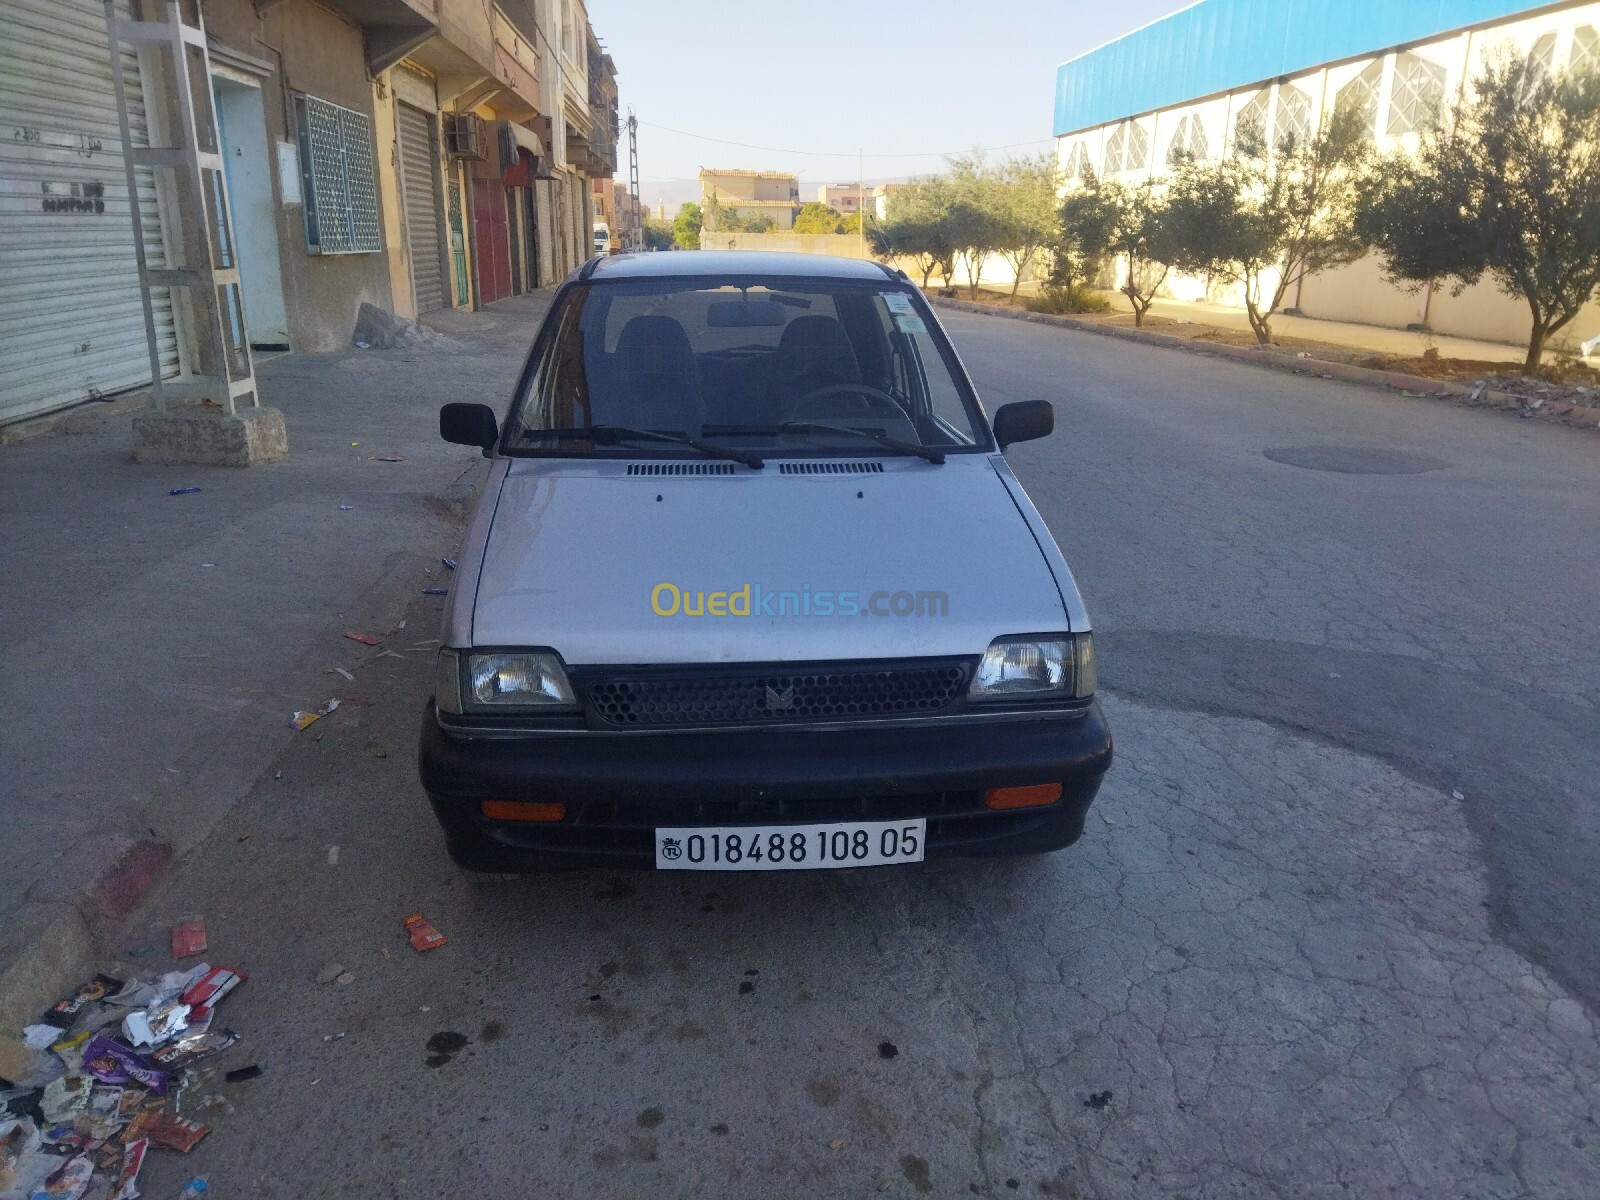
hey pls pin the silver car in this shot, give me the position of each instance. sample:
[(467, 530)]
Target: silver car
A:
[(751, 587)]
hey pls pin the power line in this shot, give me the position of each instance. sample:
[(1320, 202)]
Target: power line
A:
[(828, 154)]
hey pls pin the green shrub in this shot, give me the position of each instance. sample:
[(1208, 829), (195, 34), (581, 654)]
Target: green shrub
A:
[(1075, 298)]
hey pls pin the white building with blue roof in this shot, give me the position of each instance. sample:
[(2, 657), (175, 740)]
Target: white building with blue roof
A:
[(1184, 84)]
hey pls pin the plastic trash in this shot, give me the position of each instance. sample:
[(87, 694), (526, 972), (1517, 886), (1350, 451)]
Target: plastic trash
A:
[(366, 639), (183, 491), (423, 935), (435, 591), (194, 1189), (188, 937), (449, 562)]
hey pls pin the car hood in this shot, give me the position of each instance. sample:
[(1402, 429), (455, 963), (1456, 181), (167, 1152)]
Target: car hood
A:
[(578, 552)]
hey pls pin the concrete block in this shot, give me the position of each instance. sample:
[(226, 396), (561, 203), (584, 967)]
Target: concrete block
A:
[(197, 435)]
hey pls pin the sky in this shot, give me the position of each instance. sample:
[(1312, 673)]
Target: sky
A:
[(907, 82)]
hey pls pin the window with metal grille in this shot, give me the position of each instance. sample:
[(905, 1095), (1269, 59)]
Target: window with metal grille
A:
[(1127, 149), (1585, 49), (1189, 143), (1361, 94), (1078, 165), (336, 167), (1418, 94), (1250, 126), (1293, 122)]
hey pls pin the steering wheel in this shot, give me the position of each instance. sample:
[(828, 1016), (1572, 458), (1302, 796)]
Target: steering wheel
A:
[(871, 401)]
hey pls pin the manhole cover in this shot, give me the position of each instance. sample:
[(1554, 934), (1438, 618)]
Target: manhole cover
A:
[(1356, 460)]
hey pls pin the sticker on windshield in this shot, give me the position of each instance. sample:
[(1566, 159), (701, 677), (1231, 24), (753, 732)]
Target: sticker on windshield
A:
[(897, 302), (909, 324)]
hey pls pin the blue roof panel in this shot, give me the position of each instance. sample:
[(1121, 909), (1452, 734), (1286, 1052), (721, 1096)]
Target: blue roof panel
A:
[(1217, 45)]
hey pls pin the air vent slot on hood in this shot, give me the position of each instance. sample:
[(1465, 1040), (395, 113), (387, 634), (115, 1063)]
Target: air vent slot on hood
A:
[(680, 468), (830, 468)]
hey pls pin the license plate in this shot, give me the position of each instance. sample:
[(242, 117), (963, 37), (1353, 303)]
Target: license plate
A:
[(790, 847)]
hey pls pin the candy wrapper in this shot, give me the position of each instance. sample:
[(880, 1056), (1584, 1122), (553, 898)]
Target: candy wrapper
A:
[(174, 1133), (65, 1011), (68, 1183), (191, 1049), (423, 935), (188, 937), (152, 1027), (112, 1062), (127, 1185), (207, 992)]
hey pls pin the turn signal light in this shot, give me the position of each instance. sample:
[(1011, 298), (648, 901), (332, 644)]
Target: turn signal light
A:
[(1035, 795), (522, 810)]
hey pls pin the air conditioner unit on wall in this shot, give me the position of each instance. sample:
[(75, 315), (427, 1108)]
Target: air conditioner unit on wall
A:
[(464, 136)]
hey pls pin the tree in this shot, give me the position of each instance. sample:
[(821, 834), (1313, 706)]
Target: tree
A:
[(1086, 221), (759, 223), (816, 217), (657, 234), (1509, 188), (686, 226), (1143, 236), (1267, 216), (713, 219), (976, 218), (915, 227), (1029, 200)]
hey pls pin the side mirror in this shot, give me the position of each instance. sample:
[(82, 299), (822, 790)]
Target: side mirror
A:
[(1023, 422), (472, 425)]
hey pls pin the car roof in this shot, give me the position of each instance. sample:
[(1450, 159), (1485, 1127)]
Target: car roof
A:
[(721, 263)]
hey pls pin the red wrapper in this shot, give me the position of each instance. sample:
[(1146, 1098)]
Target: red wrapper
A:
[(423, 935), (211, 987), (188, 938), (174, 1133)]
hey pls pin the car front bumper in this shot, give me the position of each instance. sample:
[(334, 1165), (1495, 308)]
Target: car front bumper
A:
[(618, 788)]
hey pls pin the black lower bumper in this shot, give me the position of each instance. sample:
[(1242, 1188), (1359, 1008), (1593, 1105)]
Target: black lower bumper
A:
[(618, 788)]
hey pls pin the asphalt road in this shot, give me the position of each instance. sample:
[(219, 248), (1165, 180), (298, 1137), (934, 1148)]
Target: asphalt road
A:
[(1329, 934)]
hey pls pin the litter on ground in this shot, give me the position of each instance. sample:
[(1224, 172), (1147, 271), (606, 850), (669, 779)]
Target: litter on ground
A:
[(81, 1118)]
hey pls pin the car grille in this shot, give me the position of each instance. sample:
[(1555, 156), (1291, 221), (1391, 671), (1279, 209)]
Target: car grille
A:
[(774, 693)]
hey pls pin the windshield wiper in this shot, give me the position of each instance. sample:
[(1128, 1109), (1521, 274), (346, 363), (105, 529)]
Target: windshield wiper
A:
[(611, 434), (928, 452)]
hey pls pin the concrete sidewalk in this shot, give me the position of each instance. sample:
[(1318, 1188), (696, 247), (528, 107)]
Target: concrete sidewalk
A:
[(1378, 339), (155, 645)]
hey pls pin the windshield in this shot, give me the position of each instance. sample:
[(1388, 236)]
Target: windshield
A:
[(750, 362)]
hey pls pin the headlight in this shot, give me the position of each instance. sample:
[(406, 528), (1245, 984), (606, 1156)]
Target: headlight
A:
[(503, 680), (1036, 668), (518, 680)]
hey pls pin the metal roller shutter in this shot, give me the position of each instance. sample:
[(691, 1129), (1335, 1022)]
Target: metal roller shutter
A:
[(419, 183), (71, 321)]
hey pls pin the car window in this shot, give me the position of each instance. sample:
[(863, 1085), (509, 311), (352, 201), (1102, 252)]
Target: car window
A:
[(739, 359)]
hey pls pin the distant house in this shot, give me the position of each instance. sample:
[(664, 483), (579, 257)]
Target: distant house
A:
[(842, 197), (751, 193)]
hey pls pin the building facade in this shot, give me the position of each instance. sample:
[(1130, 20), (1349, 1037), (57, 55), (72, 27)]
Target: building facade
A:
[(752, 193), (844, 198), (410, 154), (1130, 108)]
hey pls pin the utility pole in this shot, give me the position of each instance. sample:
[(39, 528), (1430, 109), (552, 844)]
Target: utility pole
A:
[(861, 199), (635, 224)]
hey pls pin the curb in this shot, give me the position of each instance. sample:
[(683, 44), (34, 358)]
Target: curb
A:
[(75, 927), (1285, 360)]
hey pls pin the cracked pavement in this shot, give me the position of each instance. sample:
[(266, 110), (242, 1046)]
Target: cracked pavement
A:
[(1329, 932)]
